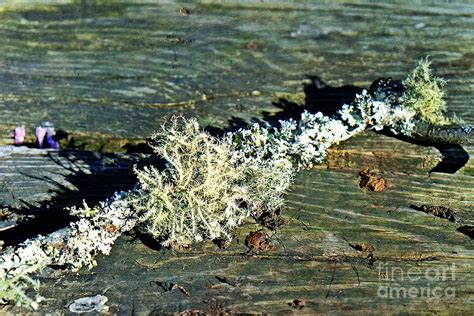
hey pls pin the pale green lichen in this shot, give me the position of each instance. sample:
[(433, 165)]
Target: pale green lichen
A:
[(203, 193), (424, 94), (14, 288)]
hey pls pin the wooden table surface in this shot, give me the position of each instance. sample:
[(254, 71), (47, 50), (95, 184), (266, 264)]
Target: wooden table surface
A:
[(107, 73)]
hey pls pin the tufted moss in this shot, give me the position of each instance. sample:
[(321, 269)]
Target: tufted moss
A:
[(424, 94)]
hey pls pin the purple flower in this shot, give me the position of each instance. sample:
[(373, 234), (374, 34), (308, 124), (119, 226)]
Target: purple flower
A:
[(40, 134), (50, 139), (19, 135)]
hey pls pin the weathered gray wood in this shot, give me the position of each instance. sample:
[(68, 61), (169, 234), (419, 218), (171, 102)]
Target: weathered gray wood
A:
[(32, 176), (37, 185), (312, 257), (382, 152), (108, 74), (99, 68)]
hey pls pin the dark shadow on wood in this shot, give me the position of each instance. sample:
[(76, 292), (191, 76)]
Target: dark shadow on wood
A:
[(139, 148), (467, 230), (454, 158), (98, 185), (319, 97), (148, 240), (454, 155)]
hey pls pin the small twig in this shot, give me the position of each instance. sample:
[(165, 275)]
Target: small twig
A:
[(356, 272), (226, 281), (443, 134), (182, 289), (113, 285)]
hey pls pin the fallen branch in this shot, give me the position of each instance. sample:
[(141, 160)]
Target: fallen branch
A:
[(210, 185)]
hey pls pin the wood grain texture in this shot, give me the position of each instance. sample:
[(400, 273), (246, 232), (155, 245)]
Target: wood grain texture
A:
[(108, 73), (33, 176), (314, 257), (100, 67)]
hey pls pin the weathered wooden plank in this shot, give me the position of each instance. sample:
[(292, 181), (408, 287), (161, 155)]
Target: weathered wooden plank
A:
[(36, 186), (98, 68), (108, 74), (382, 152), (29, 173), (314, 257)]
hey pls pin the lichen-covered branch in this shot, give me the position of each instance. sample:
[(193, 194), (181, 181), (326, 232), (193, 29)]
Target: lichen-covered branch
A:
[(73, 247), (305, 142), (443, 134), (211, 184)]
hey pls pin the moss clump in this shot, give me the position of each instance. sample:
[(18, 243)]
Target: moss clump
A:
[(424, 94), (204, 192)]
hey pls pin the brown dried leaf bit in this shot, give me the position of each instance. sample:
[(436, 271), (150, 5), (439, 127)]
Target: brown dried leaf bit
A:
[(111, 229), (364, 247), (181, 247), (257, 241), (269, 218), (370, 181), (439, 211), (251, 45)]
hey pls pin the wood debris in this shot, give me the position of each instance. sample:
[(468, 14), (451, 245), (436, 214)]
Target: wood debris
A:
[(370, 181)]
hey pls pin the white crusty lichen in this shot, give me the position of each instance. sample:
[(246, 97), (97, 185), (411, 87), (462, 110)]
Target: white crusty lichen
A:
[(209, 185), (305, 142), (95, 232), (73, 247)]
